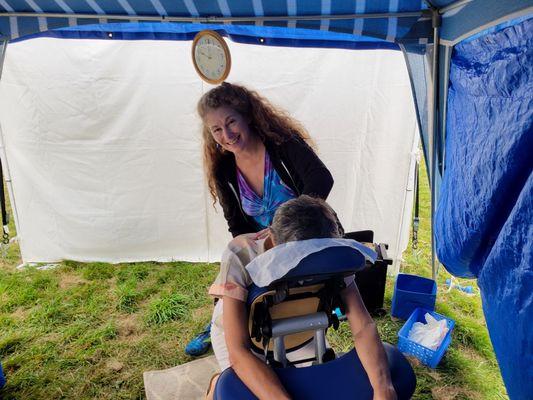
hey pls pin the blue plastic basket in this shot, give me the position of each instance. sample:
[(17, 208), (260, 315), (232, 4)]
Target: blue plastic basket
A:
[(429, 357), (410, 292)]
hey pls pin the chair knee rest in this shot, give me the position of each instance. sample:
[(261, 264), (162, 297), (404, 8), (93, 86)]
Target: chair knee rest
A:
[(343, 378)]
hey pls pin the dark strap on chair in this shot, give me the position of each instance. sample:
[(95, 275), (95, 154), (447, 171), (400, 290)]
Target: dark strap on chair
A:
[(360, 236)]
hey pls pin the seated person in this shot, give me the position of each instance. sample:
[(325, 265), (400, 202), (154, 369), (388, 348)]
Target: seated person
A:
[(301, 218)]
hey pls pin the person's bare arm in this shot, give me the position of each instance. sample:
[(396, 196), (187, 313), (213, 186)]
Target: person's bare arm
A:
[(253, 372), (368, 344)]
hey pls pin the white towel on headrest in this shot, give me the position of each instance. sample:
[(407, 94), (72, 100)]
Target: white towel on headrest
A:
[(278, 261)]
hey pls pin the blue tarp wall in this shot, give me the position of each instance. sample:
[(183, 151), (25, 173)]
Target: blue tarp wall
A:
[(484, 220)]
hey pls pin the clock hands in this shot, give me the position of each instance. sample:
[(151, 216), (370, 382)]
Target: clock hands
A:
[(205, 55)]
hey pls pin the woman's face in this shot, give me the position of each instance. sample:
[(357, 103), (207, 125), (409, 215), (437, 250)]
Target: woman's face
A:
[(229, 129)]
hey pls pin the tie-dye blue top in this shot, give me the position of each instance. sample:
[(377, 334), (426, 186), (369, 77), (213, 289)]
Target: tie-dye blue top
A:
[(275, 193)]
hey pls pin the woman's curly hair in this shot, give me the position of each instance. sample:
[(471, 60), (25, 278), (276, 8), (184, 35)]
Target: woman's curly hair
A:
[(267, 121)]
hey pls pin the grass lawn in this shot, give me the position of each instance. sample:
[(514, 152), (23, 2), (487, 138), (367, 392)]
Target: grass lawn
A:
[(89, 331)]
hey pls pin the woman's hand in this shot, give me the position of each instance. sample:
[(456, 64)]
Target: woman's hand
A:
[(265, 234), (262, 234), (385, 393)]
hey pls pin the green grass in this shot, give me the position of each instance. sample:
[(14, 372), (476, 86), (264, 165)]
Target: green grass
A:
[(89, 331), (168, 307)]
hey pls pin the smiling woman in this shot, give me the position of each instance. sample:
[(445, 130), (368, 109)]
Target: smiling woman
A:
[(256, 157), (230, 130)]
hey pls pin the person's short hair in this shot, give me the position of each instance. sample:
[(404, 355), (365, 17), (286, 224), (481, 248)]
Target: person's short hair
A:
[(303, 218)]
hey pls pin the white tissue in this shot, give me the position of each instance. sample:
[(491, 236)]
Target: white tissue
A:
[(429, 335)]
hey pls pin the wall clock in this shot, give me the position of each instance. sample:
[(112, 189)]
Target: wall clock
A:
[(211, 56)]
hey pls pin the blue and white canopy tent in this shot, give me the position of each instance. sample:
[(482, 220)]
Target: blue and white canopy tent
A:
[(473, 99)]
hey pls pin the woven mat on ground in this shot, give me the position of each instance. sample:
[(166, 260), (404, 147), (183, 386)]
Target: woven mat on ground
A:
[(183, 382)]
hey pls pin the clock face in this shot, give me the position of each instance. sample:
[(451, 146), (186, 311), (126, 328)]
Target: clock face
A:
[(211, 56)]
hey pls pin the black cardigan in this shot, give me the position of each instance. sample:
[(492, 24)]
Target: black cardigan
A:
[(298, 167)]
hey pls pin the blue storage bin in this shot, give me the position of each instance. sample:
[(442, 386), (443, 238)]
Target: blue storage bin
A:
[(410, 292), (429, 357)]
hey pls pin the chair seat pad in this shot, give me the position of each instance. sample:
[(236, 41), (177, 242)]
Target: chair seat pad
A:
[(343, 378)]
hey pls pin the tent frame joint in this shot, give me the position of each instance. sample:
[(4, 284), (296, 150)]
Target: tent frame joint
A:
[(436, 19)]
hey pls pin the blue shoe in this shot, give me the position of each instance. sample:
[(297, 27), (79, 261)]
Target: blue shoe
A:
[(200, 343)]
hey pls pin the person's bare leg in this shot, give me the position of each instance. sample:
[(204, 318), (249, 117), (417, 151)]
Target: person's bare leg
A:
[(211, 389)]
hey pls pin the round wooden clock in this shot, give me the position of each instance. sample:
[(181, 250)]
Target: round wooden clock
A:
[(211, 56)]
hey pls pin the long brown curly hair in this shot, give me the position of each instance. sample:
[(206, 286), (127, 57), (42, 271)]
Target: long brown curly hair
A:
[(267, 121)]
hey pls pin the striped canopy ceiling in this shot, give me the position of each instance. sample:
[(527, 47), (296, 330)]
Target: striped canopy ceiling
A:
[(401, 21)]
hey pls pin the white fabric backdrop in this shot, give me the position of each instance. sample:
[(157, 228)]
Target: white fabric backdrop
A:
[(102, 143)]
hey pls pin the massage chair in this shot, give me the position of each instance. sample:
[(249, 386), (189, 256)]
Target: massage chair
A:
[(291, 311)]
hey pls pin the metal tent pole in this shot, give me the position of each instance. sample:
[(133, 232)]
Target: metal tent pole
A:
[(433, 115), (213, 19), (3, 154)]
